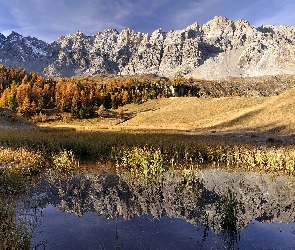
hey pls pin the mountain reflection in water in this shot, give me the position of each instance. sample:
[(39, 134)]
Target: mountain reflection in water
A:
[(212, 209)]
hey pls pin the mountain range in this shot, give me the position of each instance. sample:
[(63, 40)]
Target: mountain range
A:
[(217, 49)]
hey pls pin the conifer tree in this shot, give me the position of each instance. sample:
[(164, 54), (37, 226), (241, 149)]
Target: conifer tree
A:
[(25, 106), (5, 97), (102, 112), (12, 99), (107, 102), (114, 101), (126, 97)]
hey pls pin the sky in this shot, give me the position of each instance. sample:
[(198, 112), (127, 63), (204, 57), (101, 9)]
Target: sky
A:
[(49, 19)]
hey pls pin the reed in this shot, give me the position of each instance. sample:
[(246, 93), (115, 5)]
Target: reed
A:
[(228, 208), (16, 225), (141, 148), (262, 159), (64, 161), (14, 233), (21, 159), (144, 164)]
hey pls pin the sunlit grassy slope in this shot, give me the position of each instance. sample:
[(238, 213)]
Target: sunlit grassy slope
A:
[(238, 114), (221, 114)]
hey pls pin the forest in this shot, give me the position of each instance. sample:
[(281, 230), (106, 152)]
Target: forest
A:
[(30, 93)]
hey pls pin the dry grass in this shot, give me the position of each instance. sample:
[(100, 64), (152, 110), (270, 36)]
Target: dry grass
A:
[(191, 113), (21, 159), (259, 114), (202, 115), (63, 148)]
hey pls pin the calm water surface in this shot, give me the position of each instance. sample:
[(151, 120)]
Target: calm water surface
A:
[(214, 209)]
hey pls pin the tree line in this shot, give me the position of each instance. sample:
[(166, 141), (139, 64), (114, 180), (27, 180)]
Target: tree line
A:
[(30, 93)]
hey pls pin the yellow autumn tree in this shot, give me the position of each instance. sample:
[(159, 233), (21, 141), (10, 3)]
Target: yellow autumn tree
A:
[(4, 99), (126, 97), (23, 91), (25, 106)]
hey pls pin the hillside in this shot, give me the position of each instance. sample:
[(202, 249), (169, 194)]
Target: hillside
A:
[(237, 114), (256, 119), (261, 116), (237, 105), (10, 121), (219, 48)]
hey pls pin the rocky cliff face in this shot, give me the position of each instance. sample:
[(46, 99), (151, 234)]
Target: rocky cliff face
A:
[(27, 52), (219, 48)]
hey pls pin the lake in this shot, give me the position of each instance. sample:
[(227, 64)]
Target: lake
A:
[(204, 209)]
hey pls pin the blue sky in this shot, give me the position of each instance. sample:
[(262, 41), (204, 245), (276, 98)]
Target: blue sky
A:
[(49, 19)]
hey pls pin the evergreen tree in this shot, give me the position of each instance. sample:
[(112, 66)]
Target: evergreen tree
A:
[(74, 109), (114, 101), (12, 103), (82, 113), (107, 102)]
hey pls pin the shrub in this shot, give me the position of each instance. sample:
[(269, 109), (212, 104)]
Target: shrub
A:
[(64, 161), (21, 160)]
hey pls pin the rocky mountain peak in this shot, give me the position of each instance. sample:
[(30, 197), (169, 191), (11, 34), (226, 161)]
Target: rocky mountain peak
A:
[(244, 24), (195, 26), (158, 34), (109, 32), (125, 35), (2, 40), (14, 36), (129, 36), (220, 20), (219, 48), (79, 34), (219, 26)]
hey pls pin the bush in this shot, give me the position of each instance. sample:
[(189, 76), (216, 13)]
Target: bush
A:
[(64, 161)]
